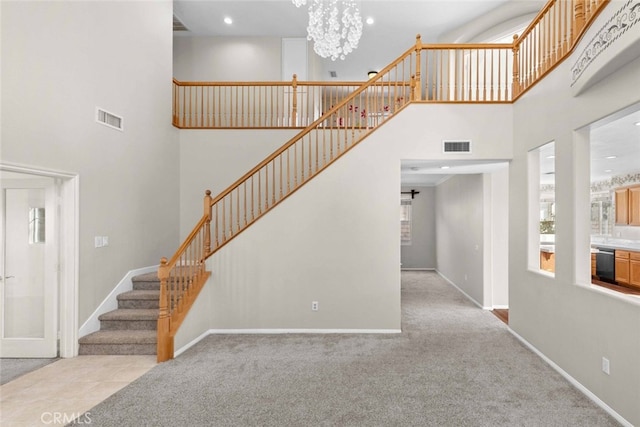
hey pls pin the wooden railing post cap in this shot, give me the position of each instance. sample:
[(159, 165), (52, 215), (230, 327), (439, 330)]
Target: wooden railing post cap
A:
[(163, 261), (207, 193), (418, 40)]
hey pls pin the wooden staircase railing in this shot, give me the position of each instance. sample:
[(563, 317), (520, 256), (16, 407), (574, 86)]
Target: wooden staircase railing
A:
[(445, 73)]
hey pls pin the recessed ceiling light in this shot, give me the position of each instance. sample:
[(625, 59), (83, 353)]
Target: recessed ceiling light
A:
[(445, 167), (610, 157), (551, 157), (228, 20), (637, 123), (370, 21), (608, 170)]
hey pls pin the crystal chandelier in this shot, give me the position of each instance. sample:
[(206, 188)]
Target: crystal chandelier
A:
[(335, 26)]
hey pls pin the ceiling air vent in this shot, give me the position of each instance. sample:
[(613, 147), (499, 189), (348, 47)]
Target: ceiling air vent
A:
[(456, 146), (108, 119)]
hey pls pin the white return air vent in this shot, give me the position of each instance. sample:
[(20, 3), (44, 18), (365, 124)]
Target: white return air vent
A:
[(456, 146), (109, 119)]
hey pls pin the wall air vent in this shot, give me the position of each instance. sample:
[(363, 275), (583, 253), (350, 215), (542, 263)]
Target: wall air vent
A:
[(109, 119), (456, 146), (333, 74), (178, 25)]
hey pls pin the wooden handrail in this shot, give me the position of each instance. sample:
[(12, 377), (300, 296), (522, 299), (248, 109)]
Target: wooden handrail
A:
[(457, 73), (308, 129)]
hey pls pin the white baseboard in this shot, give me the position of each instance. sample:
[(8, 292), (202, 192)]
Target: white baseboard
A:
[(500, 307), (110, 302), (573, 381), (463, 292), (417, 269), (280, 331)]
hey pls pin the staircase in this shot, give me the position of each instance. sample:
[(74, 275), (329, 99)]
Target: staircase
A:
[(131, 328)]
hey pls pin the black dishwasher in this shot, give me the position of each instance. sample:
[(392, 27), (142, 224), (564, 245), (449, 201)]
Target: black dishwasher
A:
[(606, 264)]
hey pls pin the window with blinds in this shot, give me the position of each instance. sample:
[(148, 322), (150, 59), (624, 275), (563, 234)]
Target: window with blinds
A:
[(405, 219)]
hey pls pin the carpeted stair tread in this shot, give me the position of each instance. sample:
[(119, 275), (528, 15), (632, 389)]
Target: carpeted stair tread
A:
[(147, 277), (120, 337), (140, 294), (147, 281), (131, 314)]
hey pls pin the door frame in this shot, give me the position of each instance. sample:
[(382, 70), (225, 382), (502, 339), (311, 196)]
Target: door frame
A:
[(68, 185)]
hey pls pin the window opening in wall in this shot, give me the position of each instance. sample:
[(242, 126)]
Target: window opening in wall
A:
[(614, 173), (542, 208), (405, 219)]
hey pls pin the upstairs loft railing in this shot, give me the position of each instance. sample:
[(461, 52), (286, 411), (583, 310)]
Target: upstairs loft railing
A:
[(424, 73), (470, 73)]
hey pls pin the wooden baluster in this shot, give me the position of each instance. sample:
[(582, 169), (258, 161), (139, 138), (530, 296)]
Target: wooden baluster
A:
[(259, 192), (216, 230), (207, 224), (294, 101), (245, 203), (164, 346), (253, 216), (578, 18), (273, 182), (281, 184), (418, 87), (237, 190), (515, 90), (224, 227), (231, 214)]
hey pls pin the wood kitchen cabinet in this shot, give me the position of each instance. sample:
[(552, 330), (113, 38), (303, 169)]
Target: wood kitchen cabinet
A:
[(622, 206), (634, 205), (547, 261), (634, 269), (622, 267), (628, 205)]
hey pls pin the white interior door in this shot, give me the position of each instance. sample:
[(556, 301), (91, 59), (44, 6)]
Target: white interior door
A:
[(28, 268)]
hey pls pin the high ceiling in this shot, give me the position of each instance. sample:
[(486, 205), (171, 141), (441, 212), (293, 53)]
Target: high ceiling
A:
[(396, 24)]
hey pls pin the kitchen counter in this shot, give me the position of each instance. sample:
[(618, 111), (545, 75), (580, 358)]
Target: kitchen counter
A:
[(623, 244)]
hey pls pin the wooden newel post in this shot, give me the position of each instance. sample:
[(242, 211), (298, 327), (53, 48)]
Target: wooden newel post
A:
[(515, 85), (417, 91), (207, 224), (164, 339), (294, 101)]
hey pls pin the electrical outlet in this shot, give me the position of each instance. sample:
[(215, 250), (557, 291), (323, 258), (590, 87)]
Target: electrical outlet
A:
[(105, 240), (605, 365), (98, 241), (314, 306)]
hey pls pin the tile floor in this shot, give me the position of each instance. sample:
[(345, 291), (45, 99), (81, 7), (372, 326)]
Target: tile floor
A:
[(67, 388)]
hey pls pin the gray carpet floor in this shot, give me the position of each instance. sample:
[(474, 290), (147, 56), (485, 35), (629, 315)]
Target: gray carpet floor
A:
[(10, 369), (453, 365)]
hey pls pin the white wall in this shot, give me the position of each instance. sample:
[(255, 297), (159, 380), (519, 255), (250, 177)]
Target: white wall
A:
[(336, 241), (213, 160), (460, 225), (421, 253), (59, 61), (227, 58), (497, 239), (574, 325)]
